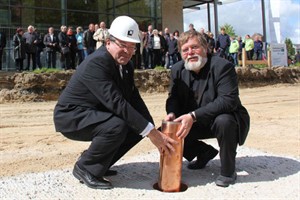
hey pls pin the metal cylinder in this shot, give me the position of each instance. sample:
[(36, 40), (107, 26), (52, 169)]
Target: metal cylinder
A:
[(171, 165)]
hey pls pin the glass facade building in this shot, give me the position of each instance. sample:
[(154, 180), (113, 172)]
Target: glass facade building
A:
[(43, 13)]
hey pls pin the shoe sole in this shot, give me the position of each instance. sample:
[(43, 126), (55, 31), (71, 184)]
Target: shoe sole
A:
[(82, 181), (192, 167), (226, 184)]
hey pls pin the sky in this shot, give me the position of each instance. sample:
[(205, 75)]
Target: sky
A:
[(245, 17)]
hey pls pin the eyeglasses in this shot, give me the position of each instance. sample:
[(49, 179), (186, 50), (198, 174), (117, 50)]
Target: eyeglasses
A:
[(193, 48), (123, 46)]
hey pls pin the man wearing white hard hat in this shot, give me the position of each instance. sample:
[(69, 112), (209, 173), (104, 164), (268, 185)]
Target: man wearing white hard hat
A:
[(101, 104)]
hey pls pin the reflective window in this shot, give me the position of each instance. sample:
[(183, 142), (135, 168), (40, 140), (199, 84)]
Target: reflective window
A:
[(83, 5), (42, 14)]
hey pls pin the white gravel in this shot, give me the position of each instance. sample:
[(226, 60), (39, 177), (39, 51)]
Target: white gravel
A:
[(260, 176)]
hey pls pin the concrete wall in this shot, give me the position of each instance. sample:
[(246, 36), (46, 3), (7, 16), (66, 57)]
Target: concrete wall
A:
[(172, 15)]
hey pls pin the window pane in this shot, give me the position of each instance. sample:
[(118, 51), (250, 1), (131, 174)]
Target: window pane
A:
[(121, 7), (139, 8), (88, 5), (48, 18), (4, 15), (81, 19), (48, 4)]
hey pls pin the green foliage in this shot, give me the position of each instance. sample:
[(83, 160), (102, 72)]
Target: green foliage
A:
[(229, 29), (261, 66), (289, 47), (160, 68), (45, 70), (297, 64)]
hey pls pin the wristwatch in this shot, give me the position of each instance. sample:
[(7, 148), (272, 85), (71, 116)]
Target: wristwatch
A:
[(193, 116)]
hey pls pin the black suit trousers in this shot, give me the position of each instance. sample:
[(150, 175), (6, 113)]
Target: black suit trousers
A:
[(110, 141), (225, 129)]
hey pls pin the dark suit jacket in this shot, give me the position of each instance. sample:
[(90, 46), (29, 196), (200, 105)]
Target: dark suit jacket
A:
[(29, 40), (96, 92), (47, 41), (218, 93), (2, 40)]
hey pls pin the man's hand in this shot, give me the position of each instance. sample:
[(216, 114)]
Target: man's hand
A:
[(162, 142), (186, 125), (170, 117)]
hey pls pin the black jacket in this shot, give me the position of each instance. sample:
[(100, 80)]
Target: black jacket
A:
[(218, 94), (2, 40), (88, 40), (30, 39), (19, 47), (96, 92), (47, 41)]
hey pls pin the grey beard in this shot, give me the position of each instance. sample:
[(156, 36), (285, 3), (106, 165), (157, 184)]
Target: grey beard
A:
[(195, 66)]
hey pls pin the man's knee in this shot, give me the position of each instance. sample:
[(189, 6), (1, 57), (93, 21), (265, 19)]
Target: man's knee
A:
[(225, 120), (225, 124), (116, 127)]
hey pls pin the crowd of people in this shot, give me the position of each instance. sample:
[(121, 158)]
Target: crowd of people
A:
[(157, 48), (73, 45)]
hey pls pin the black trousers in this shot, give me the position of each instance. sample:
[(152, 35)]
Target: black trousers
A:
[(225, 129), (250, 54), (1, 53), (51, 59), (110, 141), (31, 56), (147, 56), (19, 64)]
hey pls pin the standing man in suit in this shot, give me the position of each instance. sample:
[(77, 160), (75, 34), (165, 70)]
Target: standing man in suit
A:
[(102, 104), (148, 54), (2, 45), (31, 40), (51, 42), (223, 43), (89, 44), (204, 97)]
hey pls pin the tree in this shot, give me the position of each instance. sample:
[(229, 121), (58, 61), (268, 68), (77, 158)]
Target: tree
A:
[(289, 47), (229, 29)]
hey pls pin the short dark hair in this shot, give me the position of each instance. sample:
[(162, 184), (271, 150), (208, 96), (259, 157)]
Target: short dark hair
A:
[(19, 29)]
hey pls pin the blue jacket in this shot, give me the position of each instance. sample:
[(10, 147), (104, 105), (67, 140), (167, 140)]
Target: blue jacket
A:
[(258, 46), (223, 41)]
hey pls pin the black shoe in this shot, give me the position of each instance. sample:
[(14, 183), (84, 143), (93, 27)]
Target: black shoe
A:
[(110, 172), (203, 159), (225, 181), (91, 181)]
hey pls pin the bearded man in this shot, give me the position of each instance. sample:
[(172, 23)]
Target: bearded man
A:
[(204, 97)]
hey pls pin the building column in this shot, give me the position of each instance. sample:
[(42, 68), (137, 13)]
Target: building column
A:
[(172, 15)]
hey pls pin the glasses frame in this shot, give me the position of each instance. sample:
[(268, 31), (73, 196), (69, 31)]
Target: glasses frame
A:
[(123, 46)]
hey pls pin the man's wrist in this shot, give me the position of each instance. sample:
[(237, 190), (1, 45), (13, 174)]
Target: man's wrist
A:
[(193, 116), (147, 130)]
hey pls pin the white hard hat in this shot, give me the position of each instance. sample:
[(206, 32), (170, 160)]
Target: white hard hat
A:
[(125, 28)]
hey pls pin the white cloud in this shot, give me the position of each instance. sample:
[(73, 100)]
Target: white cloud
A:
[(290, 20), (246, 18)]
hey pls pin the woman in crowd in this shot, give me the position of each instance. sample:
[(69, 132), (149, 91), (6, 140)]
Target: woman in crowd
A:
[(73, 47), (157, 48), (79, 38), (19, 49)]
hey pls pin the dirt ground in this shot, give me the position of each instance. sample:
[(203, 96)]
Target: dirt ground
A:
[(29, 142)]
